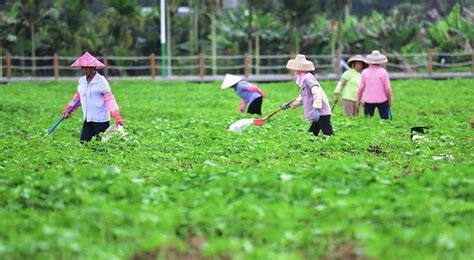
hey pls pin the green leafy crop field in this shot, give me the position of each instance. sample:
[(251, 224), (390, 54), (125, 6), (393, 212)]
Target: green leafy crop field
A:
[(180, 185)]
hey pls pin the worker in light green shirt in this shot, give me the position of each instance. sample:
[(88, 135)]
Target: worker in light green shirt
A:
[(349, 84)]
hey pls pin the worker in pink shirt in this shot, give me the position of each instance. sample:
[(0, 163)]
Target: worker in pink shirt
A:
[(250, 95), (374, 87)]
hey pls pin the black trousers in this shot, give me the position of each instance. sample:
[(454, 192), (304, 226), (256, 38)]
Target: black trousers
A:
[(324, 124), (383, 108), (255, 107), (91, 129)]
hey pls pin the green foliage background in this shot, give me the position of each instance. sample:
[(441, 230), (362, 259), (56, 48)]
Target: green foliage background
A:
[(122, 27), (272, 192)]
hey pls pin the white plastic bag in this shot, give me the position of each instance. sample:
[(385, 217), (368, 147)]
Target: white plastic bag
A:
[(240, 125), (113, 130)]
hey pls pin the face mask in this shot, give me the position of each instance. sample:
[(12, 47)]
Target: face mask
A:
[(300, 77)]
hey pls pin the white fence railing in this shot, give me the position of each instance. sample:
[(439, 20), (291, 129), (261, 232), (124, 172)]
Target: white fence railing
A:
[(202, 66)]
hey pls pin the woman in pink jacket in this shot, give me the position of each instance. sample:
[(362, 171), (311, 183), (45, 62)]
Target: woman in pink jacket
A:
[(374, 87), (95, 97)]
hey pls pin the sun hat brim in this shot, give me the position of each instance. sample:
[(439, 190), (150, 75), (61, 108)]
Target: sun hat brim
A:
[(230, 80), (376, 58), (87, 60), (300, 63), (357, 58)]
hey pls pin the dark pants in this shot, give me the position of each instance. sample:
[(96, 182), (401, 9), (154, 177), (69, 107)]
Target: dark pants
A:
[(384, 108), (91, 129), (255, 107), (324, 124)]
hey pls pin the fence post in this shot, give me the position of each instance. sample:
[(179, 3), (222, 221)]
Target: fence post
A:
[(1, 62), (9, 65), (201, 65), (56, 66), (292, 56), (106, 63), (472, 61), (153, 66), (246, 65), (430, 62), (338, 63), (257, 53)]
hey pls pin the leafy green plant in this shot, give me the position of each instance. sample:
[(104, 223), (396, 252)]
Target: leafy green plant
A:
[(181, 184), (454, 32)]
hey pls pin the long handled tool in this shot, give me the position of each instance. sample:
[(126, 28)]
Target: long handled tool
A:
[(261, 121), (63, 117)]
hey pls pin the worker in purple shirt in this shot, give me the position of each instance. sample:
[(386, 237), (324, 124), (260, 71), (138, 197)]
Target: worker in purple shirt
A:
[(312, 97), (250, 95)]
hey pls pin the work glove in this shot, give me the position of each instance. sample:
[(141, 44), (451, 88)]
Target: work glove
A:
[(285, 106), (315, 115)]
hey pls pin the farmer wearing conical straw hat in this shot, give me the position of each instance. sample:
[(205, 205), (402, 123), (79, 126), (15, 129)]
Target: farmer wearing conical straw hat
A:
[(249, 94), (312, 97), (96, 99), (348, 85), (374, 87)]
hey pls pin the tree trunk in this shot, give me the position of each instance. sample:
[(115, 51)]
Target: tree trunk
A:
[(1, 58), (295, 38), (195, 28), (33, 47), (22, 53), (191, 4), (249, 34), (297, 44), (344, 15), (333, 46), (257, 53), (169, 40), (340, 47), (213, 41)]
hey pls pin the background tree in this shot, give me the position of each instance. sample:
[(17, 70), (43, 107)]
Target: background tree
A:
[(124, 28), (297, 14), (119, 25), (30, 14), (120, 28), (76, 31)]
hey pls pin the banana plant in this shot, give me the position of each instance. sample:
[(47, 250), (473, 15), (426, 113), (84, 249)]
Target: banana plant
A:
[(121, 24), (452, 33), (71, 32)]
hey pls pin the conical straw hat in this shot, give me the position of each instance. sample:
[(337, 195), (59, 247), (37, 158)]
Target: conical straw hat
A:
[(230, 80), (376, 58), (300, 63), (356, 58), (87, 60)]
